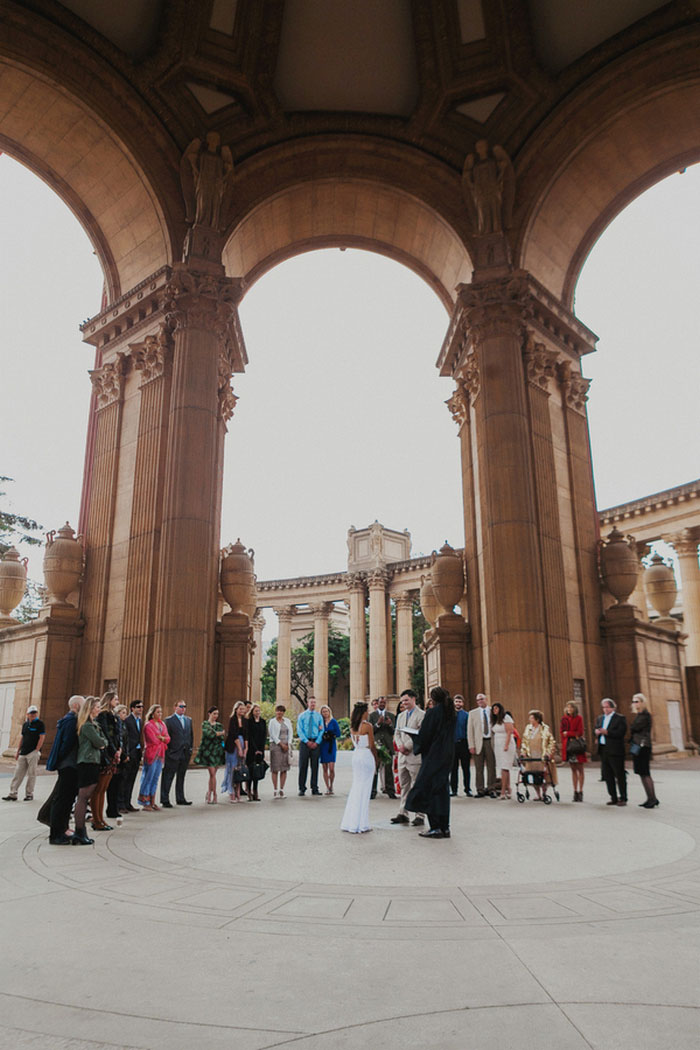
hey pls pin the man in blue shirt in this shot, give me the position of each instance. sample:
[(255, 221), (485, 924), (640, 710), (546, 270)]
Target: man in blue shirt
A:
[(310, 732), (461, 749)]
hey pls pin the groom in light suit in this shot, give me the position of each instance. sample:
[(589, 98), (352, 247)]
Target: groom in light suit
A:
[(410, 717), (177, 756), (480, 740)]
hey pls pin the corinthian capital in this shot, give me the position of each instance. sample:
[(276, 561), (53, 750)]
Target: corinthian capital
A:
[(150, 356), (108, 382), (458, 405), (575, 387), (540, 363), (493, 308), (201, 300), (285, 613), (377, 579), (227, 402), (685, 543), (322, 610)]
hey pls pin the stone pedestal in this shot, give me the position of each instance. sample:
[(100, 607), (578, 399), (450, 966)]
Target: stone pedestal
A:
[(445, 651), (646, 658), (234, 636)]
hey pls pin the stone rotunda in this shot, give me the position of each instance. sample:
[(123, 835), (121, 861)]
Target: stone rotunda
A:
[(486, 146)]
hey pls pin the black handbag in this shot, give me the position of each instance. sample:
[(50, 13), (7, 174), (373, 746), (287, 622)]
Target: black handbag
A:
[(575, 745), (241, 773), (260, 769), (635, 749)]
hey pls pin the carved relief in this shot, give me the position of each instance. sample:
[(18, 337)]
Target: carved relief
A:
[(378, 578), (150, 356), (685, 543), (201, 300), (495, 308), (574, 385), (108, 382), (227, 402), (488, 185), (206, 171), (458, 405), (540, 363), (355, 581), (285, 613)]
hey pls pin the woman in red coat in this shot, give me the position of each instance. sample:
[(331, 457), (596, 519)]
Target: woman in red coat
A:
[(571, 732)]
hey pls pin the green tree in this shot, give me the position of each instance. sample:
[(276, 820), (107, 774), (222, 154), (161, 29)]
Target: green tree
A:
[(302, 672), (15, 528)]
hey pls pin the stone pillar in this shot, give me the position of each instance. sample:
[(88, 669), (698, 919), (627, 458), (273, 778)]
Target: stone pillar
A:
[(108, 383), (390, 684), (378, 680), (256, 668), (234, 637), (404, 641), (152, 359), (201, 310), (685, 544), (358, 638), (445, 654), (284, 654), (321, 613)]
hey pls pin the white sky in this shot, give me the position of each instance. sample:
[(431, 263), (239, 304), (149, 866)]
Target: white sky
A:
[(341, 417)]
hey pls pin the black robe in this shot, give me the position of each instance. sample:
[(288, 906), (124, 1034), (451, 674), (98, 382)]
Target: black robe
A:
[(431, 792)]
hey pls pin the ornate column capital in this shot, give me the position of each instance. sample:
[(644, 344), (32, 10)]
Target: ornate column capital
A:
[(685, 543), (574, 386), (404, 601), (108, 382), (378, 579), (540, 362), (321, 610), (356, 581), (151, 355), (493, 308), (193, 299), (285, 613), (458, 405)]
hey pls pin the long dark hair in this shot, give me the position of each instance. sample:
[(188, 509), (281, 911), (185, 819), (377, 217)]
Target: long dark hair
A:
[(441, 698), (497, 719), (358, 713)]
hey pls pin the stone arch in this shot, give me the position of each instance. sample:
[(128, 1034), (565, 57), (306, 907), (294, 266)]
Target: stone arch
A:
[(618, 159), (74, 152), (349, 212)]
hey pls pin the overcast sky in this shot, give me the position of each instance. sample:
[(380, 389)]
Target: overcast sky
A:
[(341, 417)]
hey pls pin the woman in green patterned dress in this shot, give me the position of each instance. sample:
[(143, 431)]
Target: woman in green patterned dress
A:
[(211, 751)]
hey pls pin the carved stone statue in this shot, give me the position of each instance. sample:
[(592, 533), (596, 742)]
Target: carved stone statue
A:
[(205, 174), (488, 182)]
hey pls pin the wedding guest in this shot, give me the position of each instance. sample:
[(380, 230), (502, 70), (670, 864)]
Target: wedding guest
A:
[(211, 751), (610, 731), (537, 744), (255, 754), (435, 744), (235, 748), (91, 743), (281, 734), (573, 747), (134, 726), (462, 753), (309, 731), (329, 747), (27, 756), (640, 748), (155, 740), (115, 786), (109, 758), (64, 759), (177, 756), (503, 733)]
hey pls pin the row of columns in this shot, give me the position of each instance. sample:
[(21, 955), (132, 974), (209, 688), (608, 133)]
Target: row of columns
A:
[(685, 544), (378, 678)]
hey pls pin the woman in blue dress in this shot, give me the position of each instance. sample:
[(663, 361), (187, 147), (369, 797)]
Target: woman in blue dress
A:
[(331, 733)]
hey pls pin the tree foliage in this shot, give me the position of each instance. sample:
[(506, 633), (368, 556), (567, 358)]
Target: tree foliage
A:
[(302, 673), (15, 528)]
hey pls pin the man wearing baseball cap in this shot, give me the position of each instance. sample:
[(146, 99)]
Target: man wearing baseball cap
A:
[(27, 755)]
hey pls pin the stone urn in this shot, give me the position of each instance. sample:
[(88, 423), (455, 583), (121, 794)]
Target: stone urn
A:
[(238, 579), (429, 604), (660, 588), (619, 566), (447, 573), (13, 584), (63, 564)]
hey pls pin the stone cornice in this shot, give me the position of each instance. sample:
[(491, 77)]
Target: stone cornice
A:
[(131, 312), (656, 501)]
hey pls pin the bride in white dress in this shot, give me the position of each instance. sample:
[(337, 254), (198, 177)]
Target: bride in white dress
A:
[(364, 764)]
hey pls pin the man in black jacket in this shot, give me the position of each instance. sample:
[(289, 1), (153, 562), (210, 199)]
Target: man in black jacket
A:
[(177, 756), (134, 725), (64, 759), (610, 731)]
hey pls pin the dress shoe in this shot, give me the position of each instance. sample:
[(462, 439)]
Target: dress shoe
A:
[(80, 838), (102, 827), (453, 794), (433, 833), (622, 802), (469, 794), (315, 792), (60, 840), (612, 802), (373, 795), (649, 804), (301, 794), (132, 809), (166, 804), (400, 818), (184, 803), (417, 822), (28, 798), (9, 798)]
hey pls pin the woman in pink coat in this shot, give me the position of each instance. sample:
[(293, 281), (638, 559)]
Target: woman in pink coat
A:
[(573, 747), (155, 739)]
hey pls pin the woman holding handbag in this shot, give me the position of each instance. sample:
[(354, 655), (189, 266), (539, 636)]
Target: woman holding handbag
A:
[(235, 748), (573, 747), (255, 755), (640, 748)]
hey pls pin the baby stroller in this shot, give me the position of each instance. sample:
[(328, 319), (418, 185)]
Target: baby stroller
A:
[(536, 772)]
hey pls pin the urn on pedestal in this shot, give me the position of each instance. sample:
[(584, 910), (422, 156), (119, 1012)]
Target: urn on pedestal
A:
[(429, 605), (661, 590), (63, 564), (238, 579), (619, 567), (447, 573), (13, 584)]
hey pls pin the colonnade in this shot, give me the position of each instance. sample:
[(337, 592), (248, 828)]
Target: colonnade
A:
[(377, 668)]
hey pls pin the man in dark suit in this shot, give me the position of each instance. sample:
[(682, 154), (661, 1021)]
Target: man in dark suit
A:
[(177, 756), (134, 725), (610, 731), (382, 721)]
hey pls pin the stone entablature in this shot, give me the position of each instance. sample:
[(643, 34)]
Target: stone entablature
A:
[(652, 517)]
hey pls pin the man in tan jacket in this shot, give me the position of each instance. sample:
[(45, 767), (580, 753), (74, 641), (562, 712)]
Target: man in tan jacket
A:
[(480, 740), (409, 718)]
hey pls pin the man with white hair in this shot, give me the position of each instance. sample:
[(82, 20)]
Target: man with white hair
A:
[(610, 731), (64, 759), (480, 740)]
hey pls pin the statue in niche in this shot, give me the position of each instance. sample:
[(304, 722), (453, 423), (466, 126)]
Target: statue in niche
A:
[(488, 182), (205, 175)]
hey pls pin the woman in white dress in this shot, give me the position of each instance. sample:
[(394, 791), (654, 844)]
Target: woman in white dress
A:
[(502, 731), (364, 763)]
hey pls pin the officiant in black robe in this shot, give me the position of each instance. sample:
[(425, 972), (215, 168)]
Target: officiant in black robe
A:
[(435, 744)]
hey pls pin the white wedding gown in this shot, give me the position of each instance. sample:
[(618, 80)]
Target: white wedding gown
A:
[(356, 816)]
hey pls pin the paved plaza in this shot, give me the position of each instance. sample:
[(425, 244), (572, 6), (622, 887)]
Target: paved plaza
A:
[(254, 926)]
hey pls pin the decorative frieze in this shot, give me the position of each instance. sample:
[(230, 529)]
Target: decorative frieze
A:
[(108, 382), (540, 362), (150, 356)]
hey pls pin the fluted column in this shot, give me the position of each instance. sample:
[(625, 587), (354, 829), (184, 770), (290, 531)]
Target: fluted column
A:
[(284, 654), (404, 641), (201, 310), (378, 680), (685, 544), (358, 638), (256, 666), (321, 613), (108, 383)]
